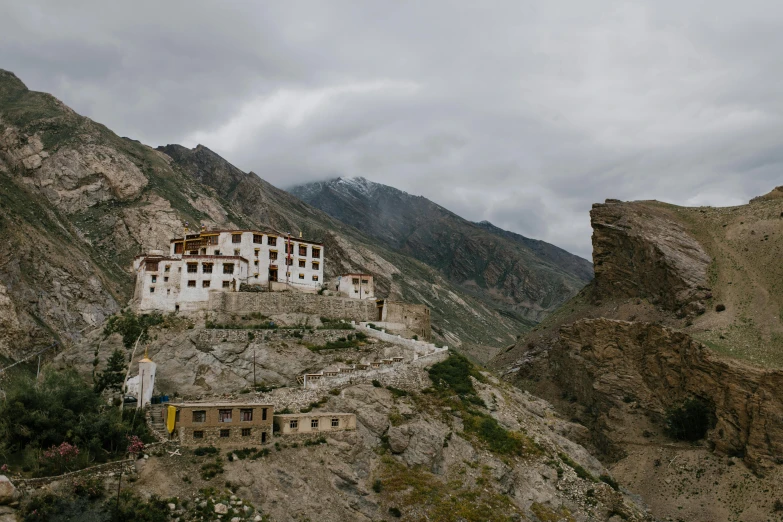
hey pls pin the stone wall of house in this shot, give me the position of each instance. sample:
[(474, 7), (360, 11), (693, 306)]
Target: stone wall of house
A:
[(415, 317), (212, 436), (271, 303)]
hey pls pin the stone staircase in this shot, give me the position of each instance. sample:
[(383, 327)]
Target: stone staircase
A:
[(155, 421)]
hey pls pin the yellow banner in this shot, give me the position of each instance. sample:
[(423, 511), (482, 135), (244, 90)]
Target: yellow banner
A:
[(171, 418)]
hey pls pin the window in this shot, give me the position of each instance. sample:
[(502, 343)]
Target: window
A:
[(246, 415), (335, 423), (271, 240), (217, 253), (246, 432), (152, 289), (316, 252), (179, 269), (301, 276), (316, 265), (356, 291), (315, 277), (211, 240), (289, 261), (294, 424), (224, 415), (152, 266), (289, 248), (302, 263), (165, 279), (236, 251), (255, 262), (356, 280), (168, 291), (192, 283), (198, 434), (179, 248), (364, 281), (314, 424), (257, 251), (258, 239), (228, 268), (263, 413), (154, 279), (193, 252), (205, 284), (224, 434), (206, 268), (192, 268), (273, 255), (303, 250), (236, 238), (200, 416), (226, 284), (167, 269)]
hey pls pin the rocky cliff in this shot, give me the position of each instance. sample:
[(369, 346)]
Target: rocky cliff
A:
[(517, 275), (685, 305)]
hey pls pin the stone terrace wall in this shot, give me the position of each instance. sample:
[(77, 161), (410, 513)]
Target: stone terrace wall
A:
[(420, 348), (316, 337), (271, 303), (126, 466)]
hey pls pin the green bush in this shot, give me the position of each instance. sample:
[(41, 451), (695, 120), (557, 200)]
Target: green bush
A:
[(454, 373), (396, 392), (376, 383), (609, 480), (690, 420), (205, 450), (63, 408)]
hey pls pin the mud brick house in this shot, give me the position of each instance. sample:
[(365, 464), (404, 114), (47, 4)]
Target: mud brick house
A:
[(199, 423), (313, 423)]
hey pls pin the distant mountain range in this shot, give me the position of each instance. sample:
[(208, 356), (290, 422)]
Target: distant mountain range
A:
[(521, 277)]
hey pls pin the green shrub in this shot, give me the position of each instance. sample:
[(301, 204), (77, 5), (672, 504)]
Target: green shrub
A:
[(609, 480), (454, 373), (377, 486), (376, 383), (396, 392), (205, 450), (395, 512), (581, 472), (211, 469), (690, 420)]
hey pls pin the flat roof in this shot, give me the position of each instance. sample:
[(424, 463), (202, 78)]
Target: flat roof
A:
[(260, 232), (312, 414), (219, 404), (200, 256)]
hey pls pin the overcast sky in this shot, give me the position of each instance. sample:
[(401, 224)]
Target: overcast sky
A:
[(520, 113)]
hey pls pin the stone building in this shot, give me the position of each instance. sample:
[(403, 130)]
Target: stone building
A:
[(313, 422), (200, 424), (223, 260), (356, 286), (413, 317)]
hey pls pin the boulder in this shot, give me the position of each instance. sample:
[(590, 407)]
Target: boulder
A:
[(221, 509), (8, 492)]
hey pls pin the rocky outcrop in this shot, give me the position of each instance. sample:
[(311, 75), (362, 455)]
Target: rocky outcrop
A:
[(603, 362), (8, 492), (640, 251)]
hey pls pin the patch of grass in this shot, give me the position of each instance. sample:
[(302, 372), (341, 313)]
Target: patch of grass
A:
[(209, 470), (421, 495), (609, 480), (498, 439), (546, 514), (396, 392), (581, 472), (454, 373)]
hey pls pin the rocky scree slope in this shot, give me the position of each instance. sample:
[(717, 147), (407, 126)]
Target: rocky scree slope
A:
[(514, 274), (685, 304), (77, 202)]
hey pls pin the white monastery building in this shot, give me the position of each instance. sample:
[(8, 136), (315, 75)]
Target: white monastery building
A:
[(356, 286), (222, 260)]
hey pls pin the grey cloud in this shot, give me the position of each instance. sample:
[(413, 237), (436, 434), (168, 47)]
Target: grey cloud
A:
[(522, 113)]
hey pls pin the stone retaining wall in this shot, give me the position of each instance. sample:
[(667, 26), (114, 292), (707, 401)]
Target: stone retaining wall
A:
[(271, 303), (125, 466), (315, 337), (420, 348)]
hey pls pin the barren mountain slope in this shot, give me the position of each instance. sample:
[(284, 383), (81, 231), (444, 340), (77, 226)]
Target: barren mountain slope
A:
[(520, 276), (78, 202), (627, 351)]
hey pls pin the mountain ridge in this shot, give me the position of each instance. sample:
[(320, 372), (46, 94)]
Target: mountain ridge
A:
[(519, 275)]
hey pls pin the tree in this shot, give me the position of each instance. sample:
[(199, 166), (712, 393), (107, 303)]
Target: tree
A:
[(113, 377)]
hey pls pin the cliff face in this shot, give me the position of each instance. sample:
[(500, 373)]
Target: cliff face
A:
[(606, 364), (640, 251), (517, 275), (685, 304)]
